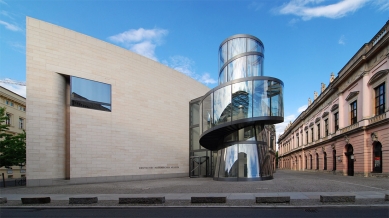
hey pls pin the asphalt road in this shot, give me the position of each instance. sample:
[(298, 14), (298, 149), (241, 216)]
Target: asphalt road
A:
[(344, 212)]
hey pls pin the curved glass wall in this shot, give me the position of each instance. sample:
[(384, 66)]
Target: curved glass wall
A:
[(253, 97), (236, 115), (207, 116), (245, 160), (240, 56)]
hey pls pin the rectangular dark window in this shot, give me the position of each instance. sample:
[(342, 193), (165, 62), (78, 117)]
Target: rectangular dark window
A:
[(312, 134), (8, 119), (353, 112), (318, 131), (336, 121), (21, 123), (298, 141), (326, 127), (306, 133), (380, 99), (90, 94)]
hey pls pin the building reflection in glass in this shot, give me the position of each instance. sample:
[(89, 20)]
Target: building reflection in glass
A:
[(238, 116)]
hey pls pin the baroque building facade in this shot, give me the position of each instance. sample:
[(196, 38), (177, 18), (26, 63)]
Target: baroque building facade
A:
[(345, 129)]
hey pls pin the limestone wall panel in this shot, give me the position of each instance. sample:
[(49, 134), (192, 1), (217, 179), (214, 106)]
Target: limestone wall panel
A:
[(148, 125)]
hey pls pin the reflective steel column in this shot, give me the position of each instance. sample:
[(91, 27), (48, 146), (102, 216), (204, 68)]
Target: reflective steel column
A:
[(237, 116)]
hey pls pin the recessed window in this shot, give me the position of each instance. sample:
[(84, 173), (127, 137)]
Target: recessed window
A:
[(326, 127), (380, 99), (8, 119), (10, 103), (353, 112), (318, 131), (336, 121), (306, 134), (21, 123), (312, 134), (90, 94)]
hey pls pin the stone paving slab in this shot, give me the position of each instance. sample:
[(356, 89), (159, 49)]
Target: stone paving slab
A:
[(187, 196), (301, 186)]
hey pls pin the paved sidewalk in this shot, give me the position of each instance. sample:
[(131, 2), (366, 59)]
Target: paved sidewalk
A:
[(187, 196), (304, 188)]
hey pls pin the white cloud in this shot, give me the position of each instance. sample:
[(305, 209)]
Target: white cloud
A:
[(20, 90), (342, 40), (280, 128), (17, 46), (145, 48), (186, 66), (6, 14), (382, 4), (302, 108), (293, 21), (256, 6), (141, 41), (206, 79), (308, 9), (9, 26)]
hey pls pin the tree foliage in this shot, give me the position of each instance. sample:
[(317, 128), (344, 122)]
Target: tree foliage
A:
[(12, 147)]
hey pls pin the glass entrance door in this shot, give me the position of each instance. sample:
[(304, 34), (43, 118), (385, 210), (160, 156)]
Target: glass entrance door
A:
[(198, 166), (350, 160), (377, 158)]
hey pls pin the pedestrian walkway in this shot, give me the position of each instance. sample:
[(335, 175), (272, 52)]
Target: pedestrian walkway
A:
[(187, 196), (305, 187)]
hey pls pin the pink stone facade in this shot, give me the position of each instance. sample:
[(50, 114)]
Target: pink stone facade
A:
[(345, 130)]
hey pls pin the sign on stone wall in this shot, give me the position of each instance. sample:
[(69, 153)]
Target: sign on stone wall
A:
[(159, 167)]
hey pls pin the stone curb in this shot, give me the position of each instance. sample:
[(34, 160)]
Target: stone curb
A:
[(198, 206), (88, 200), (279, 199), (142, 200), (337, 198), (3, 200), (208, 199), (36, 200)]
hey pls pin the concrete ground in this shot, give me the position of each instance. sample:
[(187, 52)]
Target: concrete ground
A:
[(304, 189)]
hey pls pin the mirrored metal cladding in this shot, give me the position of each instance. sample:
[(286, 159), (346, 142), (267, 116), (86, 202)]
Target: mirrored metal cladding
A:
[(237, 116)]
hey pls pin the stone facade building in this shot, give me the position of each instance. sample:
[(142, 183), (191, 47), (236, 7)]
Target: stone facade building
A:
[(15, 107), (100, 113), (345, 130)]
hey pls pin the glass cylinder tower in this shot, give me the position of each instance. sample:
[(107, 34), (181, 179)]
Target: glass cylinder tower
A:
[(237, 116)]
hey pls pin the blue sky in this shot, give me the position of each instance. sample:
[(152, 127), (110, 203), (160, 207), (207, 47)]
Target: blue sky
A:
[(305, 40)]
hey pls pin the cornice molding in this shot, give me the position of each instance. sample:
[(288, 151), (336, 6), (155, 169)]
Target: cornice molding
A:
[(334, 107), (352, 95), (378, 76)]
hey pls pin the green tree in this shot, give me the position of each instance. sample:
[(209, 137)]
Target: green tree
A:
[(12, 148)]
